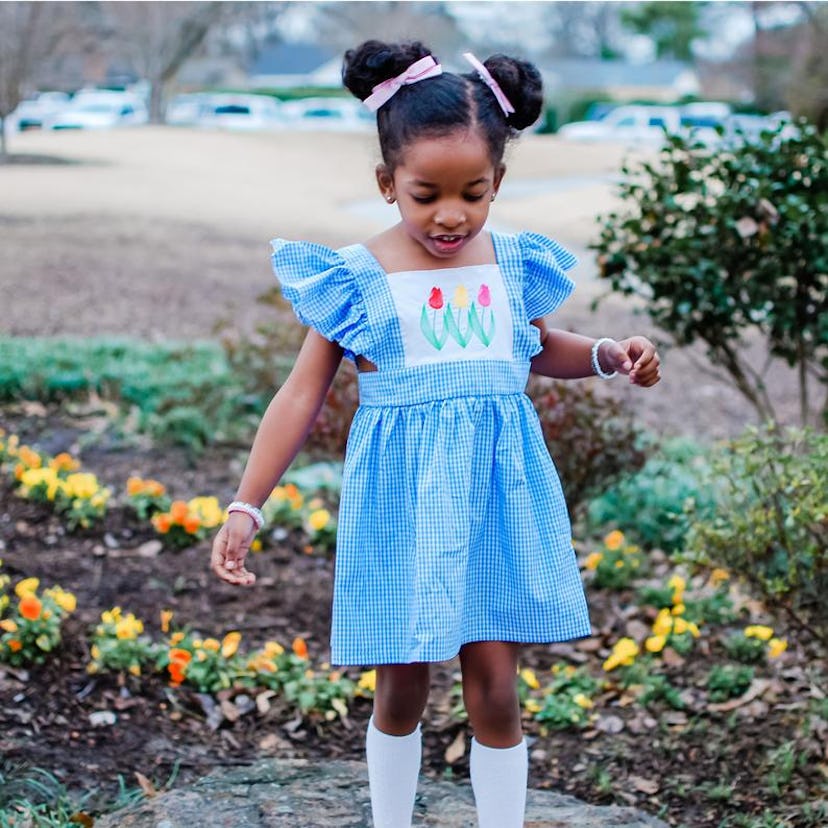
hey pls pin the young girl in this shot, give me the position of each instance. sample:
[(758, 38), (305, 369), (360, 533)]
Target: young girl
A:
[(453, 533)]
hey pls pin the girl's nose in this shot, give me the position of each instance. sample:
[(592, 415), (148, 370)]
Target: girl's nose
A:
[(450, 217)]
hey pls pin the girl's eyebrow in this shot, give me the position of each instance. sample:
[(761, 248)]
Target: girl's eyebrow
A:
[(420, 183)]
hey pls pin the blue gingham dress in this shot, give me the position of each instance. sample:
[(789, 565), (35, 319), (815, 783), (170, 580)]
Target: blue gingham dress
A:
[(452, 523)]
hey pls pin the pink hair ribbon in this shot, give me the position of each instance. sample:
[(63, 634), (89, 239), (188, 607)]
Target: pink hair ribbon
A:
[(421, 69), (487, 78)]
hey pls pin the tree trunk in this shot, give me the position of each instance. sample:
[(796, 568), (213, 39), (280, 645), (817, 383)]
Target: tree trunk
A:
[(4, 154)]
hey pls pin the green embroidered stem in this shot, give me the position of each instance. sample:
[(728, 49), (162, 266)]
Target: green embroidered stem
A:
[(454, 330)]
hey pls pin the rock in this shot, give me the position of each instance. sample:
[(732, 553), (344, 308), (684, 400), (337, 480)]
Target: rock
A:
[(275, 793)]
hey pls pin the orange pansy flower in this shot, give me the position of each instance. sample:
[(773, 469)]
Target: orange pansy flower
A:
[(179, 511), (191, 524), (30, 607), (162, 523), (300, 648)]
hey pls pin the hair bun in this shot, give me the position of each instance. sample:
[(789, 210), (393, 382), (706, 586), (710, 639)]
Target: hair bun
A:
[(373, 62), (522, 84)]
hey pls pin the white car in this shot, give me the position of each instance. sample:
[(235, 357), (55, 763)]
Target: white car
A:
[(31, 113), (99, 110), (328, 114), (228, 111), (630, 124)]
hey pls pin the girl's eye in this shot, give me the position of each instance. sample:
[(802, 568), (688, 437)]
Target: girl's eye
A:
[(423, 199), (473, 197)]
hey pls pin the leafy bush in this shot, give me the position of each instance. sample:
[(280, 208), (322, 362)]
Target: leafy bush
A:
[(725, 240), (770, 523), (727, 681), (593, 441), (649, 505)]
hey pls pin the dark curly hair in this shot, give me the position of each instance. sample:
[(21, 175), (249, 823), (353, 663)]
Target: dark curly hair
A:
[(445, 103)]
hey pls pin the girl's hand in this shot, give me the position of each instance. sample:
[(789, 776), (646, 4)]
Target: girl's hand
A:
[(635, 356), (230, 548)]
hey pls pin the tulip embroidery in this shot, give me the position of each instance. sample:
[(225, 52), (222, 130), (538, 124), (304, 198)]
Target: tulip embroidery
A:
[(459, 318)]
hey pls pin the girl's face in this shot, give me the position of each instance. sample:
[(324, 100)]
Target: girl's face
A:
[(443, 187)]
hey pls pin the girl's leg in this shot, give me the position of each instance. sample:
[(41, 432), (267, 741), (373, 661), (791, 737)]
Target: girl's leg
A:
[(499, 762), (393, 746)]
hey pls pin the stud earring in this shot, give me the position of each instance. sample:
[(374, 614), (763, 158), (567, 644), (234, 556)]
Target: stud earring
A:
[(493, 196)]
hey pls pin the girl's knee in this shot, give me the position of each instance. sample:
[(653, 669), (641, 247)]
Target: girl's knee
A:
[(400, 697)]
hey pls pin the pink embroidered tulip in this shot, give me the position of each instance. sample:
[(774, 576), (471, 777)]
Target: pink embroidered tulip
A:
[(435, 300), (484, 297)]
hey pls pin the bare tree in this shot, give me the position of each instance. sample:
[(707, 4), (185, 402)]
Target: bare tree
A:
[(30, 35), (345, 24), (157, 38)]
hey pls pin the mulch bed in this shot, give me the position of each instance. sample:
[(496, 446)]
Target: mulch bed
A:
[(692, 767)]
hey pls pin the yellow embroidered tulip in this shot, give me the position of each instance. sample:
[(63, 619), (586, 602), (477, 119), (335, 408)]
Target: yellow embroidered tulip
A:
[(461, 297)]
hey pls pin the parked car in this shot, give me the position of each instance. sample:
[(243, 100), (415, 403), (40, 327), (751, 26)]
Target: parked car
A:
[(328, 114), (647, 124), (99, 109), (225, 111), (31, 112)]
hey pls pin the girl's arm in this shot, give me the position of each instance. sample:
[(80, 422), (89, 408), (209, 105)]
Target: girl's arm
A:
[(567, 355), (281, 433)]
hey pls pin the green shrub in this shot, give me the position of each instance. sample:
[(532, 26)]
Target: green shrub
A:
[(770, 523), (650, 505), (593, 441), (727, 681), (722, 241)]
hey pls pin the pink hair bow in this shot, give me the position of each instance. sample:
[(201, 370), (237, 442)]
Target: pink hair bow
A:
[(487, 78), (424, 68)]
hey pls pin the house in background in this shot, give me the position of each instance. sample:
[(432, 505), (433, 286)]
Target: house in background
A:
[(285, 65), (661, 81)]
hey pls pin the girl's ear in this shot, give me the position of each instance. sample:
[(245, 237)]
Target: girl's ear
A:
[(385, 182), (498, 177)]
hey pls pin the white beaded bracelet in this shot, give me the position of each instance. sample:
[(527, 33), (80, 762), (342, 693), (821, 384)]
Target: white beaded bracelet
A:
[(593, 357), (251, 511)]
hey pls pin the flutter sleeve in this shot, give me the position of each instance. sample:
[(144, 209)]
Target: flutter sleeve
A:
[(324, 293), (545, 283)]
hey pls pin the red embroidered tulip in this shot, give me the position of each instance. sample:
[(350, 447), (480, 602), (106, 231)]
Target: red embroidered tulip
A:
[(435, 300), (484, 297)]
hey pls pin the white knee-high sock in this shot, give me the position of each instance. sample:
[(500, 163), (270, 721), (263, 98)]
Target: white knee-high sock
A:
[(393, 771), (499, 777)]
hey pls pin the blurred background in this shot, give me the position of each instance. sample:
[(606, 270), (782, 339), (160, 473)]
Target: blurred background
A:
[(169, 62)]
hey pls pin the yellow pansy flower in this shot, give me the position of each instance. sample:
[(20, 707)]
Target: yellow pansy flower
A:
[(777, 646), (530, 678), (230, 644), (759, 631), (368, 681), (614, 540), (319, 519), (583, 701), (655, 643), (593, 560), (663, 625), (532, 706), (28, 586), (719, 576), (623, 654)]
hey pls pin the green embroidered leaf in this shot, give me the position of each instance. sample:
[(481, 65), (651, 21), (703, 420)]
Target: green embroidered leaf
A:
[(476, 326), (454, 330), (428, 330)]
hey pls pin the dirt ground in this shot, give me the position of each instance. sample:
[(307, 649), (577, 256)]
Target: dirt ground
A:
[(160, 234)]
